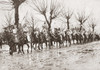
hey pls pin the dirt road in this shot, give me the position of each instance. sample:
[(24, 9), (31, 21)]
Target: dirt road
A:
[(76, 57)]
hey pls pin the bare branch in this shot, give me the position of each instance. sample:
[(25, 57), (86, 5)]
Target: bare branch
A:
[(40, 6), (92, 23), (82, 18), (8, 22), (55, 9), (67, 14)]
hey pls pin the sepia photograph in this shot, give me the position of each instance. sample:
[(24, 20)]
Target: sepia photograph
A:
[(49, 34)]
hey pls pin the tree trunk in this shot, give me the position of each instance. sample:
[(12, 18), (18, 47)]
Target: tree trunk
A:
[(80, 27), (93, 29), (68, 27), (16, 16), (50, 41)]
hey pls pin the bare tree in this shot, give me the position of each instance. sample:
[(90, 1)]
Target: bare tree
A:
[(50, 12), (81, 18), (13, 4), (92, 24), (67, 16), (8, 21)]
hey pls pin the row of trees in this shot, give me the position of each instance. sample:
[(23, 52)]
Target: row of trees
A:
[(51, 10)]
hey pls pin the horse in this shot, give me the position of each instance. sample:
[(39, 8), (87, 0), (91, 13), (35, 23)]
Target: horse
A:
[(9, 38), (81, 38), (62, 39), (68, 38), (97, 37), (90, 37), (73, 37), (58, 38), (22, 40), (85, 40), (35, 40), (42, 39)]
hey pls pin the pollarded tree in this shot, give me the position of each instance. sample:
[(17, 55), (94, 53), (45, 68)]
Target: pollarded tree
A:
[(81, 18), (49, 9), (92, 24), (67, 16)]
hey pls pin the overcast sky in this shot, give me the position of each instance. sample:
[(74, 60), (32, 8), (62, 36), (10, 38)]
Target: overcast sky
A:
[(89, 6)]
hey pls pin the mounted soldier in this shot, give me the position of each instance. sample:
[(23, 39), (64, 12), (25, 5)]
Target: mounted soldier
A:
[(68, 37), (22, 39), (57, 37), (81, 37), (73, 36), (85, 37)]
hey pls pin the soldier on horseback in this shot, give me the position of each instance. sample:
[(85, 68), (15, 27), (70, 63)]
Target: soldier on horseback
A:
[(68, 37)]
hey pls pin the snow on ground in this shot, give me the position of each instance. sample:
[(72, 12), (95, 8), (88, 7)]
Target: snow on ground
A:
[(76, 57)]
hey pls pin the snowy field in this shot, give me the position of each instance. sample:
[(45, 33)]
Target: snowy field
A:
[(76, 57)]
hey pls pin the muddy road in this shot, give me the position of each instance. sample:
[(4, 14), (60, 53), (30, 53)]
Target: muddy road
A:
[(76, 57)]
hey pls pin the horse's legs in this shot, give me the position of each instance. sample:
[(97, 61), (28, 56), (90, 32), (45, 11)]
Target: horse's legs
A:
[(56, 44), (39, 46), (80, 41), (66, 43), (77, 41), (1, 46), (28, 48), (69, 42), (62, 42), (35, 46), (31, 46), (51, 42), (73, 41), (22, 49), (15, 48), (46, 44), (11, 50), (19, 49), (59, 44)]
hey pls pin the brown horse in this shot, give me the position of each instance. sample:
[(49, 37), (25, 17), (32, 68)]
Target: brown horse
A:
[(22, 40), (9, 38)]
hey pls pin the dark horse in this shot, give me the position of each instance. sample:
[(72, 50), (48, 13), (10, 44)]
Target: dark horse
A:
[(42, 39), (1, 42), (97, 37), (22, 40), (58, 39), (68, 38), (73, 37), (35, 40), (9, 38)]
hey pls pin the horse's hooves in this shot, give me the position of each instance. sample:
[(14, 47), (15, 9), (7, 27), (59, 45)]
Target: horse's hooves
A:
[(10, 53), (18, 52), (59, 47), (34, 48)]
